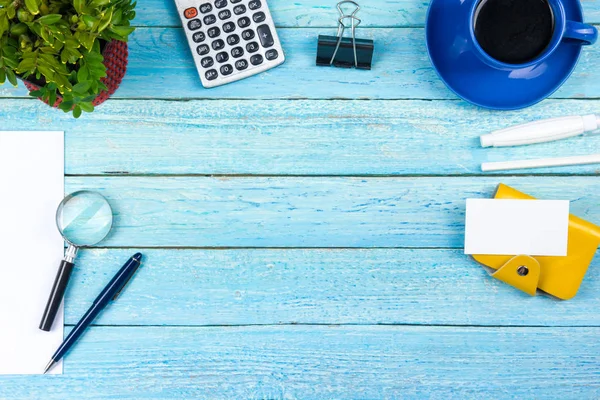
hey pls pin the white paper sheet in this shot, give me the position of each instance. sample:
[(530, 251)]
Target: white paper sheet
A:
[(32, 186), (514, 227)]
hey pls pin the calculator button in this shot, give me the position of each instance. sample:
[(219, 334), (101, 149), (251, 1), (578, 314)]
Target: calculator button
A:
[(254, 5), (235, 1), (252, 47), (194, 24), (271, 54), (233, 39), (207, 62), (228, 27), (220, 3), (226, 69), (218, 44), (211, 74), (266, 38), (225, 14), (259, 17), (222, 57), (241, 64), (256, 59), (210, 19), (248, 34), (206, 7), (190, 13), (237, 52), (244, 22), (203, 49), (213, 32), (237, 10), (198, 37)]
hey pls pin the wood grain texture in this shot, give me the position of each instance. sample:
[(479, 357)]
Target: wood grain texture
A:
[(310, 212), (321, 286), (252, 320), (307, 362), (302, 137), (161, 66), (319, 13)]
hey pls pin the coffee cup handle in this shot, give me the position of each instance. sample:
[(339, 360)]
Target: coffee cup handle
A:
[(584, 33)]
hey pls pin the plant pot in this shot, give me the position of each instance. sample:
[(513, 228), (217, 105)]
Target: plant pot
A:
[(115, 59)]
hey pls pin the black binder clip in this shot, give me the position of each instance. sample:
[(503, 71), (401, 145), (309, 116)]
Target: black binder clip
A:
[(344, 52)]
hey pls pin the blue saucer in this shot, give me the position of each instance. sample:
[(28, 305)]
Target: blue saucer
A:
[(466, 75)]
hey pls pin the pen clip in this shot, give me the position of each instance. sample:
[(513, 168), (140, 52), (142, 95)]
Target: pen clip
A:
[(126, 282)]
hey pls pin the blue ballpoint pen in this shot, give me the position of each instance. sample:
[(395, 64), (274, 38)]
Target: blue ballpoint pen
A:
[(108, 294)]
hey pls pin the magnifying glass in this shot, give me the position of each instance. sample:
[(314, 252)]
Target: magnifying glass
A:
[(83, 219)]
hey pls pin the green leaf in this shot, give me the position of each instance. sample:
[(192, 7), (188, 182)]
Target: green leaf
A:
[(122, 31), (12, 78), (52, 97), (87, 106), (105, 21), (82, 87), (28, 64), (99, 3), (70, 56), (49, 19), (18, 29), (117, 17), (4, 23), (89, 21), (66, 105), (36, 93), (2, 76), (47, 72), (11, 62), (45, 34), (89, 99), (78, 5), (32, 6), (82, 74), (77, 112)]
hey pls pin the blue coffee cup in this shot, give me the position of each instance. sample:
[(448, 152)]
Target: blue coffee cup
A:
[(573, 32)]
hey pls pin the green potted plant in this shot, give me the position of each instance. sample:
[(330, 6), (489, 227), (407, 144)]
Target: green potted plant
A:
[(70, 53)]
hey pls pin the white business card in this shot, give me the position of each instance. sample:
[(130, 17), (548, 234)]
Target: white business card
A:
[(513, 227)]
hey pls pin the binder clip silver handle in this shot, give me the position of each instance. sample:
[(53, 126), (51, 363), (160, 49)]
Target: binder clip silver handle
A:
[(341, 51), (342, 28)]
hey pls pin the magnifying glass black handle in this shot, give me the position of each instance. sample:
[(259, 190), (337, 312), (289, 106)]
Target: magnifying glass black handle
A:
[(57, 294)]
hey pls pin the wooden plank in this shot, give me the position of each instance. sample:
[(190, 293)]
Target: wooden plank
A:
[(279, 137), (310, 212), (262, 287), (161, 67), (294, 138), (318, 13), (323, 362)]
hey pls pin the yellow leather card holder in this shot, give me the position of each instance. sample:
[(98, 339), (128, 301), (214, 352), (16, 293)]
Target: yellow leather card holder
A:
[(558, 276)]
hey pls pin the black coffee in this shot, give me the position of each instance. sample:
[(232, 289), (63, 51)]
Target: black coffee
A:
[(514, 31)]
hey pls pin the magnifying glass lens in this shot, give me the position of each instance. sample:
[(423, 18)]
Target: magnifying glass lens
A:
[(84, 218)]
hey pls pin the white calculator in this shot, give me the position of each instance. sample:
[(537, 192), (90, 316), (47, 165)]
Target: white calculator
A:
[(230, 39)]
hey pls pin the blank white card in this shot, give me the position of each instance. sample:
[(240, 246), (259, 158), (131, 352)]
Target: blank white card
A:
[(32, 186), (514, 227)]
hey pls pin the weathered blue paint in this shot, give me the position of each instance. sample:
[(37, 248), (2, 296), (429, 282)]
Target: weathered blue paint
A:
[(302, 137), (395, 212), (318, 286), (374, 163), (161, 67), (289, 362), (318, 13)]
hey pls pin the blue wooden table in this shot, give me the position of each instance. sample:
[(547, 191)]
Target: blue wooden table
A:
[(303, 228)]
